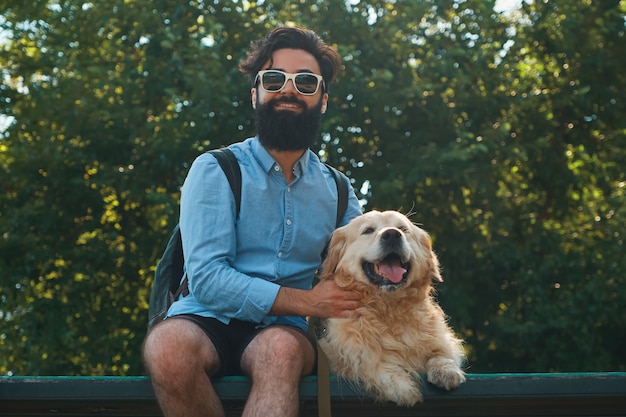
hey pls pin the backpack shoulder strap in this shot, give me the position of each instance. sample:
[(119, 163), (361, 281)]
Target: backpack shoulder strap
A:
[(342, 193), (230, 166)]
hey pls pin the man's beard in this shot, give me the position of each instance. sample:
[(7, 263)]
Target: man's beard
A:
[(283, 130)]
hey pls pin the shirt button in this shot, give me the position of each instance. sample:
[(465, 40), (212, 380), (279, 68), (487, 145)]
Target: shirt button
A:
[(280, 254), (276, 168), (288, 222)]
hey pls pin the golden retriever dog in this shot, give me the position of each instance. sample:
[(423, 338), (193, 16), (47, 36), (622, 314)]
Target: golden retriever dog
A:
[(400, 332)]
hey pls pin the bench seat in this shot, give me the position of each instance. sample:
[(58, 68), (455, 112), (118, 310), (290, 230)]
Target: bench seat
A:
[(580, 394)]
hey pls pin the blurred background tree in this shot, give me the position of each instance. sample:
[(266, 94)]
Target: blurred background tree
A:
[(503, 132)]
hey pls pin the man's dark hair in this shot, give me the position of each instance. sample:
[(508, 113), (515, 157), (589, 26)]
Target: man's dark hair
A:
[(291, 38)]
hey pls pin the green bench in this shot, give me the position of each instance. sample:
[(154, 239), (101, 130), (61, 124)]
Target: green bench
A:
[(580, 394)]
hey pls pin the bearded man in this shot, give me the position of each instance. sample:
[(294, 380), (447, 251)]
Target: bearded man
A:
[(249, 276)]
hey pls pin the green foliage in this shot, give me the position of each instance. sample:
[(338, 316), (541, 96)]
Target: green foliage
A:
[(503, 133)]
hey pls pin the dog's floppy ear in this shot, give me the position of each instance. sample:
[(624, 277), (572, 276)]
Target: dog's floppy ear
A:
[(433, 261), (332, 253)]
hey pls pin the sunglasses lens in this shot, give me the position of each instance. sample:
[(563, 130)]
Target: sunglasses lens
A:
[(306, 83), (273, 80)]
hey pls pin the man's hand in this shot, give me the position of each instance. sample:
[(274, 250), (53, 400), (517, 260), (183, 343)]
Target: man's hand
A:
[(330, 300), (325, 300)]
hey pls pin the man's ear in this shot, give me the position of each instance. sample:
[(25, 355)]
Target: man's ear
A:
[(253, 97), (324, 103)]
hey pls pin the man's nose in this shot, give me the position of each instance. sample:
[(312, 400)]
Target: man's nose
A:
[(290, 87)]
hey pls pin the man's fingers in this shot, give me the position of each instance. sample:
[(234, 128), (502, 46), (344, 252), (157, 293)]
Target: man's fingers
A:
[(336, 301), (348, 314), (354, 295)]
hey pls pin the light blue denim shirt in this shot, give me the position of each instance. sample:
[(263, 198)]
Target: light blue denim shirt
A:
[(236, 266)]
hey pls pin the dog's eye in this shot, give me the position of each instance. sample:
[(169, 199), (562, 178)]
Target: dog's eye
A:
[(404, 229), (368, 231)]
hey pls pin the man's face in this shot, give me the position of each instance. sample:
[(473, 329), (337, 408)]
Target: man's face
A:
[(287, 119)]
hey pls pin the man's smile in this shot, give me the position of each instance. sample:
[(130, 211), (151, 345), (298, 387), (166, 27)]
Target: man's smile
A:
[(288, 105)]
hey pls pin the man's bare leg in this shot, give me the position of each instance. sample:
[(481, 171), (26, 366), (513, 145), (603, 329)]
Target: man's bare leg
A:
[(179, 358), (276, 360)]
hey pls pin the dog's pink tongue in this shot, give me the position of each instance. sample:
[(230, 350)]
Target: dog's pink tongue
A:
[(393, 271)]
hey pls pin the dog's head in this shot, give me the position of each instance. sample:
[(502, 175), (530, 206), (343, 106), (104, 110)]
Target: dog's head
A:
[(384, 250)]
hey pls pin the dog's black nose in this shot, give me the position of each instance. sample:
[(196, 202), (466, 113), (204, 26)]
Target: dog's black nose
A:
[(390, 235)]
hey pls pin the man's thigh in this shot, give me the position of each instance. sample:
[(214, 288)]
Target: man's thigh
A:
[(229, 340), (279, 349)]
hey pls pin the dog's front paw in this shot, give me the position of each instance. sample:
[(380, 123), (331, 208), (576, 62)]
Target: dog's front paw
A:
[(445, 373)]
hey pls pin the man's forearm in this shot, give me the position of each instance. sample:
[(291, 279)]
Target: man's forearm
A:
[(325, 300), (292, 301)]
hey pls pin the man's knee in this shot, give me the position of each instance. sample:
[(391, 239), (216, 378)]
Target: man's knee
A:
[(178, 346), (291, 345), (280, 347), (159, 350)]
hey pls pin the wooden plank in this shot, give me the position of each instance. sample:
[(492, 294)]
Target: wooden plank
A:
[(588, 394)]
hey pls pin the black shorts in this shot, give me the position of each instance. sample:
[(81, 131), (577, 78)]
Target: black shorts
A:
[(230, 340)]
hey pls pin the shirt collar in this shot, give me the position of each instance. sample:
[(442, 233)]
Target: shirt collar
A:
[(268, 163)]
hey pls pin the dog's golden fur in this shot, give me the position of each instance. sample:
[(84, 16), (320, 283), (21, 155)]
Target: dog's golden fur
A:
[(400, 332)]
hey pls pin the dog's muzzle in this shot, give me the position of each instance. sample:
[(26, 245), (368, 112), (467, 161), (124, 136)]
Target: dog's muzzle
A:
[(391, 271)]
